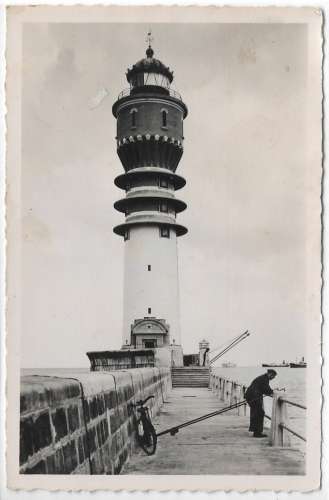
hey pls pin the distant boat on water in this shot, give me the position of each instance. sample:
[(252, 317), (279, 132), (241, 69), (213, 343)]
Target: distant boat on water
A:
[(299, 364), (284, 364), (228, 364)]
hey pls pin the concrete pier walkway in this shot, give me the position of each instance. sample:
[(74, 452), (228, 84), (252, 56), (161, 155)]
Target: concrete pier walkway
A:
[(219, 445)]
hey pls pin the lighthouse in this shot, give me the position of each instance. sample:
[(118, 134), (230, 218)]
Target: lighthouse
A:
[(150, 137)]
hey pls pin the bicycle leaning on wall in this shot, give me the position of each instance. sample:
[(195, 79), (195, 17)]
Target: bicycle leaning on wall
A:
[(145, 432)]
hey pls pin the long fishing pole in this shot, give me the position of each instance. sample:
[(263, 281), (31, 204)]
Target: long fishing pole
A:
[(173, 430)]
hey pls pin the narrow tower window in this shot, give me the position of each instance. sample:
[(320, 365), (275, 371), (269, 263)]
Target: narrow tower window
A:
[(127, 235), (149, 310), (164, 232), (164, 113), (163, 206), (163, 182), (133, 113), (149, 267)]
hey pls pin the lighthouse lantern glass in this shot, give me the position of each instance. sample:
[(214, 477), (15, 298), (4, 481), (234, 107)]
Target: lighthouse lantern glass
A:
[(153, 79)]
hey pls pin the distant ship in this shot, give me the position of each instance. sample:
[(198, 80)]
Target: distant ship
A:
[(299, 364), (228, 364), (272, 365)]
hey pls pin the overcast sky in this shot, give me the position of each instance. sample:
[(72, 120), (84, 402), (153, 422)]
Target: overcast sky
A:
[(242, 264)]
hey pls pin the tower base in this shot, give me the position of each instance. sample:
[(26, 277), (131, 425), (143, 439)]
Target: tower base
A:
[(127, 358), (171, 355)]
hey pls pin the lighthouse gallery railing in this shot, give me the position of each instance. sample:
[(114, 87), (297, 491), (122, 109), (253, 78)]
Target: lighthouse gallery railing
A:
[(173, 93)]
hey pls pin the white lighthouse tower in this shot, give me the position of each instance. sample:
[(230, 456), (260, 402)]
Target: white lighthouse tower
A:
[(150, 145)]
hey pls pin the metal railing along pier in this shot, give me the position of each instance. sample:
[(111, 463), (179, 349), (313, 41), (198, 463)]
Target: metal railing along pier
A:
[(233, 392)]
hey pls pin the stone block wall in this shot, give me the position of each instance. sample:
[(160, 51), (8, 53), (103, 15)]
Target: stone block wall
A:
[(124, 359), (83, 424)]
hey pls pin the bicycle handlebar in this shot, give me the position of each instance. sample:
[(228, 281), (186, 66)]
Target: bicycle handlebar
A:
[(142, 403)]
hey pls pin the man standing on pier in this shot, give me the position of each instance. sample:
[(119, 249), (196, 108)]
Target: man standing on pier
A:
[(254, 396)]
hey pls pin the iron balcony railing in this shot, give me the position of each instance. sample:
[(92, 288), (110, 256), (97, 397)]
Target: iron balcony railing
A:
[(172, 93)]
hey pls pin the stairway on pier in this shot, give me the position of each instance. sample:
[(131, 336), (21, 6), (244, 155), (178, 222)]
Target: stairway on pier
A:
[(220, 445), (190, 376)]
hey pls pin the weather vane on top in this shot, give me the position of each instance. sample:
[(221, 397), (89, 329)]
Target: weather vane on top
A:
[(149, 38)]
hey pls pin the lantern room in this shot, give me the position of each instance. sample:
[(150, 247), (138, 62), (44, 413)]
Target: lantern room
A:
[(149, 72)]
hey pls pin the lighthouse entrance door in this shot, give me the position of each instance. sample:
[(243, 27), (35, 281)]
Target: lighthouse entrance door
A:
[(149, 333), (149, 344)]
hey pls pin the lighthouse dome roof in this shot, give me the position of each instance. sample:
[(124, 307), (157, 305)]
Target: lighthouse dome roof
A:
[(149, 65)]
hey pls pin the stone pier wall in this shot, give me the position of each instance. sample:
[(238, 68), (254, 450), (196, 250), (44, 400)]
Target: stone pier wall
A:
[(83, 424)]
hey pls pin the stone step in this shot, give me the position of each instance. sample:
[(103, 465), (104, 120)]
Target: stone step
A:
[(190, 378), (189, 382), (189, 368), (199, 383), (196, 372), (191, 385), (193, 374), (187, 376)]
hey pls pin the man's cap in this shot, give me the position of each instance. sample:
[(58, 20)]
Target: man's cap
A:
[(271, 371)]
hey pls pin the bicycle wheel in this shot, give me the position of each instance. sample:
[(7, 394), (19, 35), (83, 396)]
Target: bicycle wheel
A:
[(147, 437)]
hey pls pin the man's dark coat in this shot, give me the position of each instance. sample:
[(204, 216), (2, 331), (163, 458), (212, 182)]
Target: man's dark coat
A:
[(254, 396)]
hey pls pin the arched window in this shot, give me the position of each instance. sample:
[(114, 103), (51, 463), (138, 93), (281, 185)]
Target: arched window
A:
[(133, 113), (164, 113)]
